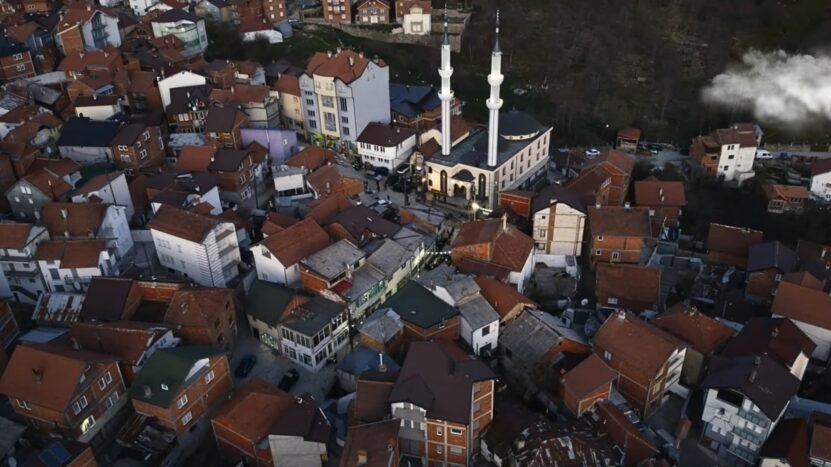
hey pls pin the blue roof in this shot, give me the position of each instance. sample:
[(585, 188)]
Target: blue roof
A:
[(413, 100), (363, 359)]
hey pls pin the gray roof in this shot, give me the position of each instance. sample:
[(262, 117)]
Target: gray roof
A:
[(458, 286), (313, 316), (771, 255), (83, 132), (531, 336), (473, 151), (267, 301), (478, 312), (334, 260), (389, 257), (382, 325), (363, 279), (409, 239), (364, 359), (419, 306)]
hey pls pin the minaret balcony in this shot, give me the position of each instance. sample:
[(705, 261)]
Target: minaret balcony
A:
[(446, 73), (495, 79)]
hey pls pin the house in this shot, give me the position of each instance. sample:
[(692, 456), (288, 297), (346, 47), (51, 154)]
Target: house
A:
[(143, 92), (46, 182), (19, 274), (619, 234), (778, 338), (586, 384), (199, 247), (730, 245), (337, 11), (605, 179), (559, 220), (360, 360), (220, 73), (628, 139), (315, 331), (788, 445), (88, 141), (287, 84), (44, 7), (666, 199), (332, 180), (372, 444), (703, 335), (203, 317), (372, 12), (70, 265), (745, 398), (381, 145), (63, 392), (505, 299), (444, 399), (233, 168), (382, 331), (15, 60), (786, 198), (345, 91), (414, 15), (807, 305), (255, 29), (183, 79), (360, 225), (108, 188), (279, 143), (86, 27), (262, 425), (137, 146), (259, 102), (222, 11), (179, 385), (727, 153), (767, 264), (265, 307), (277, 257), (130, 342), (628, 287), (110, 299), (424, 315), (821, 179), (97, 107), (186, 26), (493, 247), (418, 107), (106, 222), (224, 125), (647, 360)]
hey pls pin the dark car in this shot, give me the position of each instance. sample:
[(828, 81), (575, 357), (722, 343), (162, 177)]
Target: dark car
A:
[(245, 366), (655, 147), (289, 378)]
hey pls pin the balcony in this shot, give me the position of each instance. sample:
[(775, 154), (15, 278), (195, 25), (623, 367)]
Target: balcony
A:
[(223, 253), (224, 234)]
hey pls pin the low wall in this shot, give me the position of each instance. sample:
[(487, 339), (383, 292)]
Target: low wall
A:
[(429, 40)]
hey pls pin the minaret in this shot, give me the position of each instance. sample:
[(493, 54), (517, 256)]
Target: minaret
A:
[(446, 94), (494, 102)]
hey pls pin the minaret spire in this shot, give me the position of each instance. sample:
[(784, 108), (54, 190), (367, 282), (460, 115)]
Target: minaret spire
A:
[(446, 94), (494, 102)]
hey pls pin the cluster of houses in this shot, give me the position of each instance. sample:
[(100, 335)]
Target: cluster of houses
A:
[(414, 16)]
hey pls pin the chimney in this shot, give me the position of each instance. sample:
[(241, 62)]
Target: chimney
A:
[(351, 61), (89, 7), (774, 332), (338, 49), (148, 392), (75, 344), (360, 54), (381, 366), (626, 205), (38, 375), (505, 221), (329, 53), (64, 213), (362, 457)]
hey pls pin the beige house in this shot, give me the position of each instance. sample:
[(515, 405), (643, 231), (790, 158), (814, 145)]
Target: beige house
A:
[(559, 221)]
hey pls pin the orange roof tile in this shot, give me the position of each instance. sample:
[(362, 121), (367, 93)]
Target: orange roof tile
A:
[(72, 253), (786, 192), (501, 296), (198, 307), (312, 158), (630, 285), (636, 343), (659, 193), (346, 66), (587, 377), (183, 224), (297, 242), (195, 158), (14, 235), (74, 219), (705, 334), (803, 304)]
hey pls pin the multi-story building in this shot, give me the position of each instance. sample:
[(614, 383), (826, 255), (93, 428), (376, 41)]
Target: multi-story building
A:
[(415, 16), (821, 179), (137, 146), (767, 265), (86, 27), (618, 234), (628, 287), (647, 360), (605, 179), (730, 245), (62, 391), (42, 185), (183, 79), (188, 108), (39, 40), (15, 60), (418, 107), (186, 26), (203, 317), (386, 146), (198, 247), (273, 11), (108, 188), (291, 106), (179, 385), (337, 11), (665, 199), (70, 265), (425, 315), (806, 304), (786, 198), (372, 12), (87, 141), (107, 222), (277, 257), (559, 218), (726, 153), (20, 276), (259, 102), (444, 400), (224, 125), (314, 331), (343, 92), (745, 399)]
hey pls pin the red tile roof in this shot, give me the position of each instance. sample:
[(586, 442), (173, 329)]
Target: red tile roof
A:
[(72, 253), (128, 341), (74, 219), (346, 66), (615, 221), (183, 224), (14, 235), (638, 287), (510, 248), (195, 158), (732, 244), (312, 158), (199, 307), (587, 377), (786, 192), (501, 296), (659, 193), (704, 334), (629, 133), (803, 304), (636, 343), (297, 242)]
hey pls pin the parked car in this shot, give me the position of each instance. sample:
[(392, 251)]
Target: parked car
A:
[(655, 147), (289, 378), (763, 154), (382, 171), (592, 152), (245, 366)]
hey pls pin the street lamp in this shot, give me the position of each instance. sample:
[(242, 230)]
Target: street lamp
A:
[(473, 208)]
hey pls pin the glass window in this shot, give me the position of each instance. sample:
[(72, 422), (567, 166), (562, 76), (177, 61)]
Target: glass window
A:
[(182, 401)]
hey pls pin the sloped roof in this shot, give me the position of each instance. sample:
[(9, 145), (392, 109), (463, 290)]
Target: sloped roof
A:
[(297, 242), (735, 241), (790, 440), (126, 340), (169, 368), (778, 338), (656, 193), (417, 305), (346, 66), (786, 192), (72, 253), (83, 132), (268, 301), (703, 333), (620, 221), (803, 304), (385, 135), (183, 224), (632, 283), (500, 295), (587, 377), (510, 247), (74, 219), (199, 307), (14, 235), (771, 255), (635, 342)]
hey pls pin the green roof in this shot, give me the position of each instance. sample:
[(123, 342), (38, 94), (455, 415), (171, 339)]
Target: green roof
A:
[(267, 301), (167, 368), (417, 305)]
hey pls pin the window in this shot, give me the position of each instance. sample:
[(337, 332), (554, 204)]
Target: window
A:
[(102, 383), (456, 450), (209, 377), (343, 106), (344, 119), (182, 401), (456, 431), (328, 101), (439, 431), (615, 256), (17, 57), (439, 450), (112, 399), (597, 252), (83, 401), (345, 131), (122, 148), (612, 301), (23, 404), (486, 330), (187, 418), (88, 423), (20, 68), (310, 102), (146, 135), (730, 397), (607, 355), (126, 158), (778, 278), (600, 238), (143, 154)]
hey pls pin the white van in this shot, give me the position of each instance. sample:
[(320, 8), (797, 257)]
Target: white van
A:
[(763, 154)]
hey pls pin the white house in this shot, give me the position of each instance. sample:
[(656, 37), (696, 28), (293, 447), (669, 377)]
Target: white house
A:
[(88, 141), (70, 265), (101, 221), (97, 28), (385, 146), (20, 276), (182, 79), (97, 107), (415, 17), (732, 149), (821, 179), (315, 332), (198, 247), (186, 26), (277, 258), (108, 188), (290, 183), (344, 92), (559, 221), (745, 398), (254, 29)]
